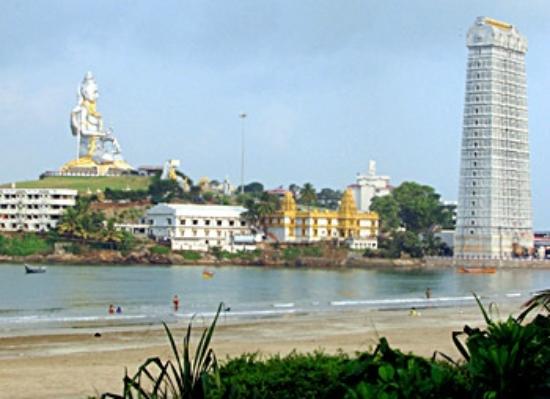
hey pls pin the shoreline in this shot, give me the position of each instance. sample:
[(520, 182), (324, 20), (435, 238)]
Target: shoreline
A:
[(351, 262), (74, 363)]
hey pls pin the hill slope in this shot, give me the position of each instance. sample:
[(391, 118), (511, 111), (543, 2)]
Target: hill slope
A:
[(85, 184)]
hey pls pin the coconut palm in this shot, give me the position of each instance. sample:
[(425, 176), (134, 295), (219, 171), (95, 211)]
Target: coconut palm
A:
[(80, 222), (540, 300), (308, 195), (110, 234)]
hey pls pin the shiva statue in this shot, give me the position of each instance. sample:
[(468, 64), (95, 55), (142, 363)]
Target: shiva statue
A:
[(98, 151)]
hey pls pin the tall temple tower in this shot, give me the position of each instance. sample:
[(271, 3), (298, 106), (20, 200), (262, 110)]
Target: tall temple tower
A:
[(494, 204)]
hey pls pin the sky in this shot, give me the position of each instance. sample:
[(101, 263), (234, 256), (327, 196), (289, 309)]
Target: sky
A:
[(326, 85)]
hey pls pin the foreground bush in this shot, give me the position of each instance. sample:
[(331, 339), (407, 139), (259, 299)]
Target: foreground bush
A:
[(508, 359), (294, 376), (385, 373)]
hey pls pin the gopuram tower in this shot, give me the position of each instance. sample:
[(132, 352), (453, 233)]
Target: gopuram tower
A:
[(494, 217)]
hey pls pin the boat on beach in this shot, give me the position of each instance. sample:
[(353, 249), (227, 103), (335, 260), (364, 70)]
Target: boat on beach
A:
[(34, 269), (477, 270)]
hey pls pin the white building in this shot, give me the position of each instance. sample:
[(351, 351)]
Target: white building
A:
[(200, 227), (494, 203), (33, 210), (368, 186)]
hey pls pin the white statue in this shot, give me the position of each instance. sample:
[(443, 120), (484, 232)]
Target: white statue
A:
[(96, 146), (169, 172)]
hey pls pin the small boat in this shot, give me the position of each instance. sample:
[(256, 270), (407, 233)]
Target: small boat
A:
[(207, 274), (34, 269), (477, 270)]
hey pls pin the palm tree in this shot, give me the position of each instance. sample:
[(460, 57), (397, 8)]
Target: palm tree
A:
[(259, 209), (110, 234), (80, 222), (251, 214), (308, 194), (69, 223), (540, 300)]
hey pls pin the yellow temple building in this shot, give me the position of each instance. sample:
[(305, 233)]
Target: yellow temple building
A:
[(290, 224)]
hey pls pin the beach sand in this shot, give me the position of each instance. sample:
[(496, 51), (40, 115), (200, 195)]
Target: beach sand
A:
[(75, 364)]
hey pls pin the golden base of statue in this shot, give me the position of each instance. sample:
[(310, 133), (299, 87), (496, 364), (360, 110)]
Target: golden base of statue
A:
[(87, 166)]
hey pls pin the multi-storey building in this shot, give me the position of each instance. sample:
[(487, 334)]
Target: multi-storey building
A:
[(33, 210), (494, 207), (293, 225), (368, 186), (200, 227)]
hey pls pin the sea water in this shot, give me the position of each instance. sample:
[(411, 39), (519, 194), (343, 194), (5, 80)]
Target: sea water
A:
[(78, 296)]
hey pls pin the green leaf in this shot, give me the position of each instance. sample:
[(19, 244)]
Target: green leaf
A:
[(386, 372)]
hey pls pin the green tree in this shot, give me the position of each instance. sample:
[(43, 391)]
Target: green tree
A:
[(81, 222), (110, 234), (419, 206), (329, 198), (406, 242), (164, 190), (308, 195), (294, 189), (255, 188), (388, 211), (258, 209)]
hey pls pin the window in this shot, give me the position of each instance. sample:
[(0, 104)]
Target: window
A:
[(232, 223), (473, 193), (195, 222), (168, 221), (471, 232), (207, 222), (219, 222), (473, 183), (243, 223), (473, 213), (473, 222)]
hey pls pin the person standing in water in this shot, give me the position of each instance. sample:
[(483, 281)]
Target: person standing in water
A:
[(428, 293), (176, 303)]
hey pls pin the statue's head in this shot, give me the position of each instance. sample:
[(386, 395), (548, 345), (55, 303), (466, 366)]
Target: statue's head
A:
[(88, 88)]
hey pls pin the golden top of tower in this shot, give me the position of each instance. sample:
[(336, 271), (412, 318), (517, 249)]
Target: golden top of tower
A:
[(288, 203), (348, 206), (497, 24)]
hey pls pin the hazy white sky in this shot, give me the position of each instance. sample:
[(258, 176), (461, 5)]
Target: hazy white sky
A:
[(327, 86)]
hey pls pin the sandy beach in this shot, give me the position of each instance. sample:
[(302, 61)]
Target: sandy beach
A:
[(75, 364)]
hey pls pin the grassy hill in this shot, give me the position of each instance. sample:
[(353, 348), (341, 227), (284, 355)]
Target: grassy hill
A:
[(83, 184)]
